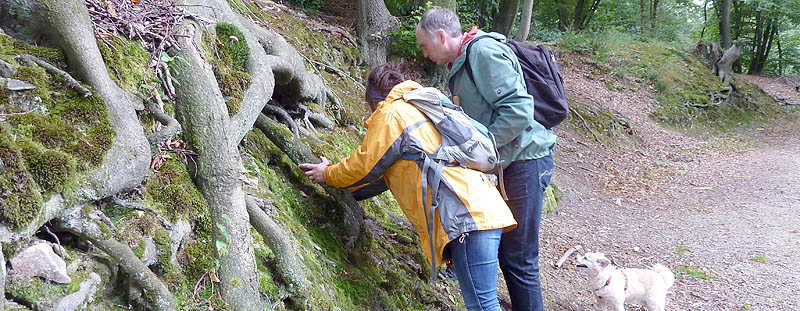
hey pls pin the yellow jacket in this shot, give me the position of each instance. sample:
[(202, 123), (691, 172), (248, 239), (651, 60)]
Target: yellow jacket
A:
[(468, 201)]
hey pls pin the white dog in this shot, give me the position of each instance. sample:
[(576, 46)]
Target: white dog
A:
[(616, 287)]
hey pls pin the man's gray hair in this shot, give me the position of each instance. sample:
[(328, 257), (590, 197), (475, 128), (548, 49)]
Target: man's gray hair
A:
[(441, 18)]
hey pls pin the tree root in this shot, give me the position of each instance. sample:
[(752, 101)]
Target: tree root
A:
[(125, 164), (299, 152), (141, 207), (2, 279), (289, 266), (316, 117), (284, 117), (81, 225), (339, 31), (586, 125), (70, 80), (172, 127)]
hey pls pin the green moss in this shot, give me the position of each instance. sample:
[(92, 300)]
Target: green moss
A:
[(551, 197), (19, 201), (126, 62), (234, 45), (173, 191), (609, 126), (51, 169), (228, 58), (138, 250), (37, 76), (31, 290), (11, 46)]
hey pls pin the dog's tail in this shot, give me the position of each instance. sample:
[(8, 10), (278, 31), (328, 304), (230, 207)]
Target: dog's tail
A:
[(665, 274)]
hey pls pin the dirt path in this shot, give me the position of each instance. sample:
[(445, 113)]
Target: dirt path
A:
[(734, 217)]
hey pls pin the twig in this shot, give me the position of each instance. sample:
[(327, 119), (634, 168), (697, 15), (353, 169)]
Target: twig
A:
[(2, 115), (46, 228), (337, 30), (70, 80), (335, 70), (586, 124), (138, 206), (588, 170)]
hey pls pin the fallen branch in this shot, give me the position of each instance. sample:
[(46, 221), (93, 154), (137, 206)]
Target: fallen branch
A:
[(141, 207), (70, 80), (339, 31), (586, 124)]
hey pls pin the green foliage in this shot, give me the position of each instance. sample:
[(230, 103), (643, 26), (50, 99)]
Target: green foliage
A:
[(228, 58), (682, 249), (760, 258), (310, 5), (694, 272), (405, 38)]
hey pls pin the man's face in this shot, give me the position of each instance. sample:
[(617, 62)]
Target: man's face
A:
[(431, 48)]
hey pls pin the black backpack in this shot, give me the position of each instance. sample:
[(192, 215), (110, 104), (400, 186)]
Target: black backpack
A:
[(544, 82)]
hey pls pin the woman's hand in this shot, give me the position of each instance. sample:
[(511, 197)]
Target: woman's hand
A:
[(314, 171)]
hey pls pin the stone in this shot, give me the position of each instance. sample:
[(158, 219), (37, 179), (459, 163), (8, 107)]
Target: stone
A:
[(150, 254), (179, 230), (83, 297), (40, 260), (7, 70), (17, 85)]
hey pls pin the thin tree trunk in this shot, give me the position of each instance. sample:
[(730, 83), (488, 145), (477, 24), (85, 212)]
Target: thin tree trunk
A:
[(725, 23), (643, 17), (482, 13), (705, 19), (563, 15), (780, 58), (525, 21), (577, 14), (756, 40), (505, 17), (588, 16), (653, 16)]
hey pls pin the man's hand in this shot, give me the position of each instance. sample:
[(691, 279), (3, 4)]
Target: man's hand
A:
[(314, 171)]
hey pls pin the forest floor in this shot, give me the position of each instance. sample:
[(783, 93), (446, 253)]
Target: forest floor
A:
[(722, 212)]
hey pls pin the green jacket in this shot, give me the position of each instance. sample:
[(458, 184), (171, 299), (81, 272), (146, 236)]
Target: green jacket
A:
[(499, 99)]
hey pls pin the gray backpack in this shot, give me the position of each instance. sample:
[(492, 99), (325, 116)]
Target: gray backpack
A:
[(465, 142)]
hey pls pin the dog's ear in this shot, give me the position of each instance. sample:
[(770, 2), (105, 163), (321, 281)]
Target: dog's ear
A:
[(603, 262)]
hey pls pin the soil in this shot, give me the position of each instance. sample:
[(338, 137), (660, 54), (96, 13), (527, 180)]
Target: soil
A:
[(726, 207)]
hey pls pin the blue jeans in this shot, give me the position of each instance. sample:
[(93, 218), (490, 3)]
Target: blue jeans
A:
[(525, 182), (475, 261)]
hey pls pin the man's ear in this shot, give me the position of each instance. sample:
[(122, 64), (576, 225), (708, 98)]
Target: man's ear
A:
[(440, 36), (603, 262)]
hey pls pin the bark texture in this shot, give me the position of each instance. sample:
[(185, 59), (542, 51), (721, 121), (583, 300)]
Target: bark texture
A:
[(525, 21), (504, 18), (373, 24), (725, 24), (725, 63)]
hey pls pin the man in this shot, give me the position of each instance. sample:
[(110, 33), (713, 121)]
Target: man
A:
[(498, 98)]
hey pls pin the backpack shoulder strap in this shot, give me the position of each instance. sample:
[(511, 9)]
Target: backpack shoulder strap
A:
[(466, 56)]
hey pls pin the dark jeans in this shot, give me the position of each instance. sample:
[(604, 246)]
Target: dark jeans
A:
[(475, 260), (525, 182)]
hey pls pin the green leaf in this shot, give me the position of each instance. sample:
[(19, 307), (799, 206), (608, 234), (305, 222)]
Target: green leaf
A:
[(222, 248), (147, 86), (174, 80), (166, 58)]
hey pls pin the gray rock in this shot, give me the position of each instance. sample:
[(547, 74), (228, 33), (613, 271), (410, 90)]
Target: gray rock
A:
[(82, 297), (40, 260), (150, 255), (179, 230), (17, 85), (7, 70)]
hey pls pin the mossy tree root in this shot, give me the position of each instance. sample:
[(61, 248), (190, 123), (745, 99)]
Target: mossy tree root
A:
[(171, 127), (70, 80), (126, 163), (299, 152), (204, 117), (75, 221), (289, 267), (284, 117)]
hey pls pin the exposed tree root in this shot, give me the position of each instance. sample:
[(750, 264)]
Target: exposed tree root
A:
[(284, 117), (317, 118), (299, 152), (141, 207), (171, 126), (83, 226), (289, 266), (70, 80), (125, 164), (339, 31), (586, 125)]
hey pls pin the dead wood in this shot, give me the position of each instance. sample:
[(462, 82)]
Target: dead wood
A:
[(71, 82)]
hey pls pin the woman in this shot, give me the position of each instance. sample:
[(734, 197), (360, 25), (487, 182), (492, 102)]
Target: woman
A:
[(471, 214)]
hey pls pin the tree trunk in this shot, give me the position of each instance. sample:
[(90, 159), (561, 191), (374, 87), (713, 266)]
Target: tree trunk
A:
[(373, 24), (577, 15), (505, 17), (725, 24), (705, 18), (724, 65), (780, 59), (525, 21), (563, 15), (483, 7), (587, 18), (643, 17), (654, 16)]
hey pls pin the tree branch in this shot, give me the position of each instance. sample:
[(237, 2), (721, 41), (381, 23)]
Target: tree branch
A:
[(70, 80)]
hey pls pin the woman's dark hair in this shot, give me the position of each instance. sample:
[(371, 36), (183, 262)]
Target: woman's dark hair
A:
[(381, 80)]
